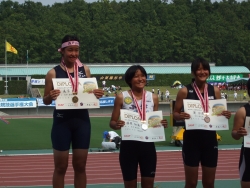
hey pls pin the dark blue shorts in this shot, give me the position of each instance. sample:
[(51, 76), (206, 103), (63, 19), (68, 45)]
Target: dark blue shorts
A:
[(134, 153), (73, 131), (244, 164)]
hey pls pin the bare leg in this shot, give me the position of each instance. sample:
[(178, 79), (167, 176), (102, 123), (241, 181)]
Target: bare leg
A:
[(61, 165), (147, 182), (79, 165), (208, 176), (245, 184), (130, 184), (191, 176)]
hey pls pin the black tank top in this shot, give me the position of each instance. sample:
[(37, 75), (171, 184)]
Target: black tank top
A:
[(78, 113), (192, 95)]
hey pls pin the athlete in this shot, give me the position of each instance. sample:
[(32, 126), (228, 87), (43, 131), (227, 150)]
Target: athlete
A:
[(69, 126), (238, 132), (133, 153), (199, 146)]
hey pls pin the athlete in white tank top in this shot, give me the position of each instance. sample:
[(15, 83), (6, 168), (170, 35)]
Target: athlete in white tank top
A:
[(128, 102)]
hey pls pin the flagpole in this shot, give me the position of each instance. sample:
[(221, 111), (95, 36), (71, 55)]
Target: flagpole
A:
[(27, 62), (6, 81)]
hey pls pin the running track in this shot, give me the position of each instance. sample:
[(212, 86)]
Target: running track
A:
[(36, 170)]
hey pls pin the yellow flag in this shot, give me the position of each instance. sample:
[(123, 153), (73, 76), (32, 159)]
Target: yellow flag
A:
[(10, 48)]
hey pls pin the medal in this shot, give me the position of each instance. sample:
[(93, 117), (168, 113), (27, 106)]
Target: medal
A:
[(144, 125), (142, 110), (74, 82), (207, 119), (75, 99), (204, 101)]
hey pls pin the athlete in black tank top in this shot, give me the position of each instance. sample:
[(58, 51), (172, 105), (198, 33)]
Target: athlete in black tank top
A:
[(199, 146), (238, 132), (71, 128)]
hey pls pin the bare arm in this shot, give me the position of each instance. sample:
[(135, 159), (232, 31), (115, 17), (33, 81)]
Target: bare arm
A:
[(87, 71), (49, 92), (238, 127), (115, 123), (178, 115)]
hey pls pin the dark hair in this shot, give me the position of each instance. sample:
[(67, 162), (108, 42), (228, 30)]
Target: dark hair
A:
[(248, 87), (196, 63), (67, 38), (130, 73)]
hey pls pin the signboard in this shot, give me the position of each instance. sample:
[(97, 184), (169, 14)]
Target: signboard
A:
[(223, 77), (18, 103), (150, 77), (37, 81), (110, 77)]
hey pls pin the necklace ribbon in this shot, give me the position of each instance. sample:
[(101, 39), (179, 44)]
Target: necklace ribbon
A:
[(204, 101), (142, 110), (74, 82)]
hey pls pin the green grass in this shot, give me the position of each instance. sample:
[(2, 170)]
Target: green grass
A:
[(30, 134)]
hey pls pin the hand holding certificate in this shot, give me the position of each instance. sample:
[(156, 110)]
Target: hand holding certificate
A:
[(247, 137), (134, 130), (84, 98), (200, 120)]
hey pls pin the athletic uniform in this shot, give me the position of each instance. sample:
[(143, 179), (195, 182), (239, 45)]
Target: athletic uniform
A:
[(132, 152), (70, 125), (200, 145), (244, 164)]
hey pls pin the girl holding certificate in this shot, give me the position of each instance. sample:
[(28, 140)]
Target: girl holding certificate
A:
[(69, 126), (132, 152), (239, 131), (199, 146)]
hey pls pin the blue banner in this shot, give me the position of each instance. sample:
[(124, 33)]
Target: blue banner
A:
[(40, 103), (18, 103), (107, 101), (150, 77)]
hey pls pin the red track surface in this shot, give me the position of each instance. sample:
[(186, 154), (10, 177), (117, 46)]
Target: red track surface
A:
[(103, 168)]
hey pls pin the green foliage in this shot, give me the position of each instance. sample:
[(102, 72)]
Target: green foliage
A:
[(145, 31), (2, 84), (16, 87)]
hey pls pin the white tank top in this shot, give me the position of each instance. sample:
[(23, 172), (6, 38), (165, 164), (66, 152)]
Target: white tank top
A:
[(128, 102)]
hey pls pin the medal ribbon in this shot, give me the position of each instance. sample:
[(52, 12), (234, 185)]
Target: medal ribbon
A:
[(204, 101), (142, 110), (74, 82)]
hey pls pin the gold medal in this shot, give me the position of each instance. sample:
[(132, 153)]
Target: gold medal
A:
[(75, 99)]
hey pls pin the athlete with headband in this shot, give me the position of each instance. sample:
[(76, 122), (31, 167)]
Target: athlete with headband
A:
[(69, 126), (133, 153), (199, 145)]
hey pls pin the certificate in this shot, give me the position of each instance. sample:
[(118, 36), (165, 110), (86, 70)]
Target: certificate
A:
[(84, 99), (247, 137), (132, 129), (213, 121)]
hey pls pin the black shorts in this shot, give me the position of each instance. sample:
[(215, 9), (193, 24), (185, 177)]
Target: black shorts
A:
[(133, 153), (67, 131), (244, 164), (200, 146)]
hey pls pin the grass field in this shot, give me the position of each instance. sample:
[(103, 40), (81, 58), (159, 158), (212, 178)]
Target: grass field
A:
[(32, 134)]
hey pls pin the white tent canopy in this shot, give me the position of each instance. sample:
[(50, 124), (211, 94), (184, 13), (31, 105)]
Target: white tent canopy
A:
[(239, 80)]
